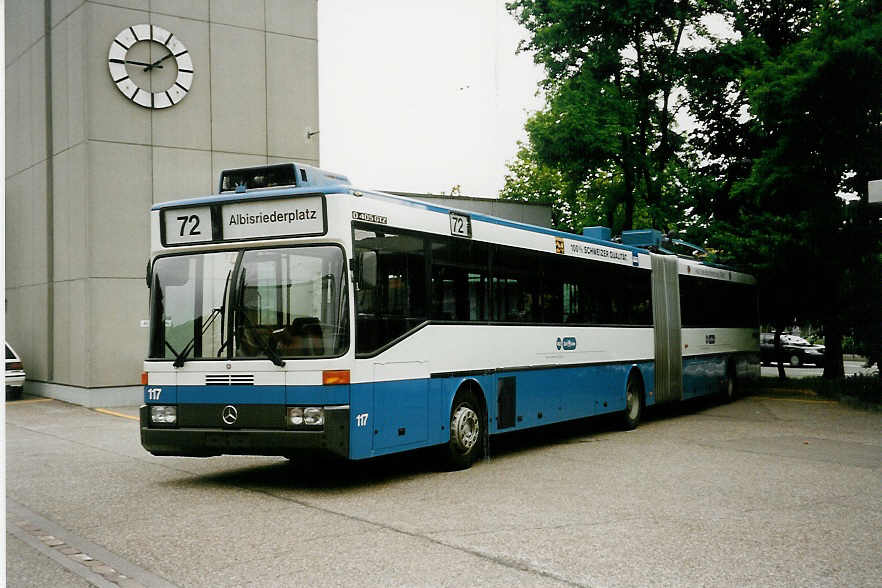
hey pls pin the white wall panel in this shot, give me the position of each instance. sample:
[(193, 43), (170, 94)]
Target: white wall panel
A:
[(292, 97), (68, 81), (111, 116), (71, 221), (249, 13), (117, 343), (25, 23), (238, 90), (61, 9), (181, 173), (188, 123), (120, 195), (292, 17), (195, 9)]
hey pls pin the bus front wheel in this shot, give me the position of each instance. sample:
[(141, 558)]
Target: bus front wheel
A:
[(467, 433), (633, 404)]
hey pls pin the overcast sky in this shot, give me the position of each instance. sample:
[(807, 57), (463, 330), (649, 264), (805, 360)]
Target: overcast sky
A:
[(420, 95)]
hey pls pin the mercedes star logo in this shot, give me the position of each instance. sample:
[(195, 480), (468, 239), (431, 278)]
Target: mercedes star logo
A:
[(230, 414)]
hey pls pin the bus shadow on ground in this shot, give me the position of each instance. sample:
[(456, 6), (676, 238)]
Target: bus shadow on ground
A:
[(328, 474)]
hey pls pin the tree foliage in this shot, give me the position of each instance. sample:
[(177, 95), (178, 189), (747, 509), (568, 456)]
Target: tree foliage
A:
[(816, 108), (612, 71), (787, 117)]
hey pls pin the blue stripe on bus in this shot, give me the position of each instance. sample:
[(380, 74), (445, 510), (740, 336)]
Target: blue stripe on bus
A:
[(704, 375), (231, 394), (317, 395), (303, 395)]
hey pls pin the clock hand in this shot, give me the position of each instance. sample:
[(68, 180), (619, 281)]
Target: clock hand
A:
[(157, 62), (138, 62)]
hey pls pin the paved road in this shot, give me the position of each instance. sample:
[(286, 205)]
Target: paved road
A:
[(763, 491)]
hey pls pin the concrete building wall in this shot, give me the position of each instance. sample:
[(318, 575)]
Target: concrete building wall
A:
[(77, 234)]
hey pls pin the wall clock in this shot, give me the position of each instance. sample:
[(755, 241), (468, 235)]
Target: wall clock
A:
[(150, 66)]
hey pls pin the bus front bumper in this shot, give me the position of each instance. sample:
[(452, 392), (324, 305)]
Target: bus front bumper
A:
[(332, 439)]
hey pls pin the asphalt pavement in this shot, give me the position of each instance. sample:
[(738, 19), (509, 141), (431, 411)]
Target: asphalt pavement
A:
[(763, 491)]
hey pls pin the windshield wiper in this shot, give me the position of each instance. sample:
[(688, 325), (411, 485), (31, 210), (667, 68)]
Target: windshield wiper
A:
[(239, 310), (224, 342), (180, 358), (265, 344)]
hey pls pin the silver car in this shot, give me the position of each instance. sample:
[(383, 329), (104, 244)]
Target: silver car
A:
[(15, 374)]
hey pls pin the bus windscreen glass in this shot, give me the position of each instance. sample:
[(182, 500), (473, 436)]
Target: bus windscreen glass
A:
[(287, 302)]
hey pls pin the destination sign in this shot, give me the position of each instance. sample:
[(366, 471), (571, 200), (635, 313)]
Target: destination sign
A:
[(273, 218), (187, 225)]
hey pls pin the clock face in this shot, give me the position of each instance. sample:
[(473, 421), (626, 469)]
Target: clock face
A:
[(150, 66)]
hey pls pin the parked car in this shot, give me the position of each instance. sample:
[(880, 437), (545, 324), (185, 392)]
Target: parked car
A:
[(794, 350), (15, 374)]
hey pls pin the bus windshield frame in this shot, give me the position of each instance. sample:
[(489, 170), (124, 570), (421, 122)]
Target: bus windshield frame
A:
[(253, 303)]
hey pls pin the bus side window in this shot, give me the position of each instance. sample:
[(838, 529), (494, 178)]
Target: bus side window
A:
[(391, 294)]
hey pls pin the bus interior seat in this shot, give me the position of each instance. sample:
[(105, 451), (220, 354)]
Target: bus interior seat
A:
[(311, 330)]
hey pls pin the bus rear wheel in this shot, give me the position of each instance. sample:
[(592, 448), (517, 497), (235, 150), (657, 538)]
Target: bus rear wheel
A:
[(633, 404), (731, 388), (467, 433)]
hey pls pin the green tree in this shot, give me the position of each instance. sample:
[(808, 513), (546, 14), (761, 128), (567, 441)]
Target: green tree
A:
[(608, 128), (815, 118)]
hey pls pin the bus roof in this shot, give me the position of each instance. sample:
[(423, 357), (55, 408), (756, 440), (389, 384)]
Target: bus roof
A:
[(323, 183)]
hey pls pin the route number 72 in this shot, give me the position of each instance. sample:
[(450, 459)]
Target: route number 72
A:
[(192, 220), (460, 225)]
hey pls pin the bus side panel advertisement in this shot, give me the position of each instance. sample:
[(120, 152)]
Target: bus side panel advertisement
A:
[(273, 218)]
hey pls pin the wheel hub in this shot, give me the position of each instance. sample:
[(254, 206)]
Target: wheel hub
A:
[(633, 403), (465, 428)]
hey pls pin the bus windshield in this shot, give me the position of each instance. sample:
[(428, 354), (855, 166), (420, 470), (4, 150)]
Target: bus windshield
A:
[(259, 303)]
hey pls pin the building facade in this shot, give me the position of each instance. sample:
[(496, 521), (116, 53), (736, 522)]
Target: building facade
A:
[(105, 117)]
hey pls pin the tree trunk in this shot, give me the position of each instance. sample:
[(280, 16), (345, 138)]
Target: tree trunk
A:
[(833, 364), (779, 354)]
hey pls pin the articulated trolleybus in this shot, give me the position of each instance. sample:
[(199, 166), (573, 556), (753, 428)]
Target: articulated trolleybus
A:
[(291, 314)]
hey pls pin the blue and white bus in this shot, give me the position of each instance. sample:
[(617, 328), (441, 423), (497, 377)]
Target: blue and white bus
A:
[(292, 314)]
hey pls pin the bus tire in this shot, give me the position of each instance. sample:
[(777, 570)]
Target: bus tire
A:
[(730, 391), (633, 403), (467, 432)]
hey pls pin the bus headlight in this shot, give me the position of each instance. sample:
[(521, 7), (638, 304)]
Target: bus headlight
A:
[(310, 416), (295, 415), (313, 416), (163, 415)]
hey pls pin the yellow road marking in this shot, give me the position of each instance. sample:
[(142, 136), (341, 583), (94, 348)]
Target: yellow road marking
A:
[(117, 414), (30, 401)]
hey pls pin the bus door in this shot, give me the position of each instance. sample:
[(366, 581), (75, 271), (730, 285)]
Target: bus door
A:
[(666, 320)]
